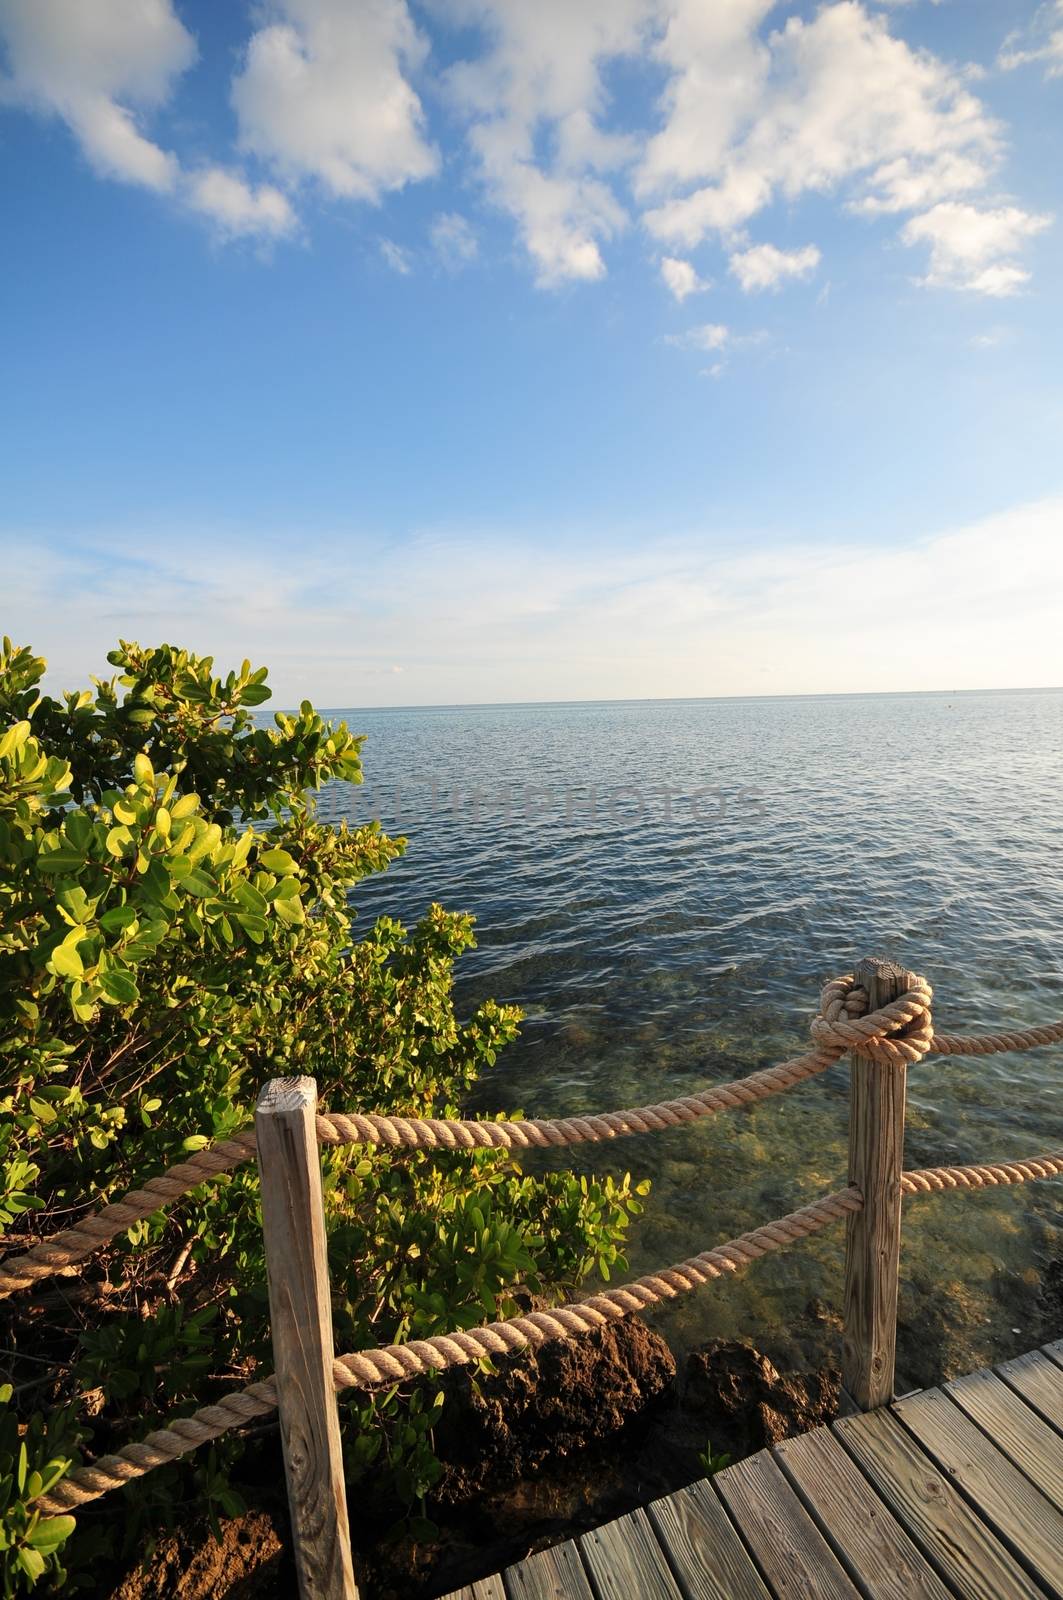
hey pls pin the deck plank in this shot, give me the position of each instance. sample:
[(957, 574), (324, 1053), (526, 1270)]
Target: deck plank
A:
[(959, 1544), (871, 1542), (1014, 1428), (624, 1559), (788, 1547), (1054, 1351), (1003, 1496), (707, 1556), (483, 1589), (1039, 1381), (554, 1574)]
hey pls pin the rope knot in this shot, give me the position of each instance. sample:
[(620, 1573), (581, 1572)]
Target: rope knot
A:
[(903, 1030)]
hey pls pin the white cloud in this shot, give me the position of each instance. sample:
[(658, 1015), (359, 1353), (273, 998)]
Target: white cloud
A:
[(706, 336), (717, 70), (81, 62), (397, 258), (765, 266), (453, 239), (236, 206), (712, 613), (974, 249), (323, 94), (833, 104), (327, 93), (84, 62), (1042, 41), (991, 339), (681, 277), (539, 83)]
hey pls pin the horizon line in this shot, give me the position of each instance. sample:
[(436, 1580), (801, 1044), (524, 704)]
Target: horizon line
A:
[(695, 699)]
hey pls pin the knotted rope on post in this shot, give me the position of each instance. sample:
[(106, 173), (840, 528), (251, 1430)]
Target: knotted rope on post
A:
[(367, 1369), (899, 1031)]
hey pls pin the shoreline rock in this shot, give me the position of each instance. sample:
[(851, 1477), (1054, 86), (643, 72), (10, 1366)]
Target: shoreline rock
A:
[(549, 1445)]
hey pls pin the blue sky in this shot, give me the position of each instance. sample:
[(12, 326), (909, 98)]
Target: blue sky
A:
[(475, 351)]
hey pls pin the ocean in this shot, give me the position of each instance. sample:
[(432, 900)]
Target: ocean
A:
[(663, 885)]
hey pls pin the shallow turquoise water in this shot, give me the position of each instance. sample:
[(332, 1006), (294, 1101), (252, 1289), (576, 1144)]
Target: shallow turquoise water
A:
[(664, 885)]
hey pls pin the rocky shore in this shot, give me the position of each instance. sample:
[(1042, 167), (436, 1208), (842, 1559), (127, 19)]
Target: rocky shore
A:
[(548, 1446), (560, 1440)]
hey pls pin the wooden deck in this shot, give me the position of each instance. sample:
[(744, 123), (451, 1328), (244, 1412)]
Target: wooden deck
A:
[(951, 1491)]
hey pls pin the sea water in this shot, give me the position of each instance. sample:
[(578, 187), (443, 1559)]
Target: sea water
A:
[(664, 885)]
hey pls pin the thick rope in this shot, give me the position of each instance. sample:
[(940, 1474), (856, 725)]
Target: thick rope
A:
[(845, 1023), (900, 1031), (92, 1233), (988, 1044), (839, 1027), (366, 1369), (74, 1244), (446, 1133), (930, 1179)]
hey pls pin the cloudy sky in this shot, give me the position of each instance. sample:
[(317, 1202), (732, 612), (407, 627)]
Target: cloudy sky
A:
[(486, 350)]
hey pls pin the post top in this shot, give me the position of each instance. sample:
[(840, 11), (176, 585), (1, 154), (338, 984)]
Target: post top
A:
[(881, 970), (285, 1095)]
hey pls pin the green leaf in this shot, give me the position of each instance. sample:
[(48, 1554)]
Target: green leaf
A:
[(50, 1532), (14, 738), (31, 1562), (60, 861), (249, 897), (157, 879), (197, 882), (278, 861), (78, 829), (119, 985), (143, 771), (117, 918), (66, 961)]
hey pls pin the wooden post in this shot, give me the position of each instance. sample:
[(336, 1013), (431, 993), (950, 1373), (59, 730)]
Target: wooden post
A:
[(873, 1234), (293, 1228)]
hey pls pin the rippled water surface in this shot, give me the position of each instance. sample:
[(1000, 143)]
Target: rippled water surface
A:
[(663, 886)]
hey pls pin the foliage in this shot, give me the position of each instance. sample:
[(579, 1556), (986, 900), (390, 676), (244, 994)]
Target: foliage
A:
[(31, 1463), (175, 928), (713, 1463)]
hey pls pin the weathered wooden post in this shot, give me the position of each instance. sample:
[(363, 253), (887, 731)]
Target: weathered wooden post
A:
[(293, 1227), (873, 1234)]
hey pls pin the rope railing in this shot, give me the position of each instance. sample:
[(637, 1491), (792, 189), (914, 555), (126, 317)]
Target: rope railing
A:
[(397, 1363), (883, 1039), (931, 1180), (899, 1031), (368, 1369)]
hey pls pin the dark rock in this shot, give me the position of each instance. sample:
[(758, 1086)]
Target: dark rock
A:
[(1051, 1301), (740, 1403), (546, 1405)]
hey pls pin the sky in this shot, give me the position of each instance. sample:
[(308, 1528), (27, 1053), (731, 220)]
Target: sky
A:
[(480, 350)]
